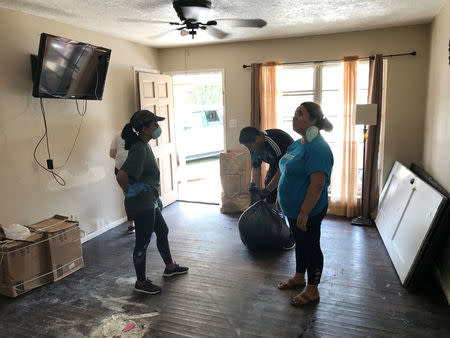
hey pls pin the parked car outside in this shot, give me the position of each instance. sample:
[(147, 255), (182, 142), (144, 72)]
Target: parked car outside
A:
[(202, 134)]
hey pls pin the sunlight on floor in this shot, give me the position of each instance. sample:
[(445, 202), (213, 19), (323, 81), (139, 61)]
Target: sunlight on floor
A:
[(201, 181)]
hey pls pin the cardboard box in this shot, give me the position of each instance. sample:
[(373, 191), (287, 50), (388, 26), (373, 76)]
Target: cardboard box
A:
[(24, 265), (64, 245)]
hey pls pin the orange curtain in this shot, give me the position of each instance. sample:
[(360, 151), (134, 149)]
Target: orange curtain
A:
[(268, 102), (268, 95), (343, 200)]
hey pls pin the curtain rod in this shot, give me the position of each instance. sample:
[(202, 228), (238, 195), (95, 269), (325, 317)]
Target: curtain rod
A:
[(320, 61)]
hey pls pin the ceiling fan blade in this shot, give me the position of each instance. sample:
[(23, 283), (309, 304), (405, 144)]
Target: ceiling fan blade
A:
[(257, 23), (217, 33), (147, 21), (160, 35)]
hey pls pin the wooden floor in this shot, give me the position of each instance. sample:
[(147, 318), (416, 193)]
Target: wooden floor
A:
[(230, 292)]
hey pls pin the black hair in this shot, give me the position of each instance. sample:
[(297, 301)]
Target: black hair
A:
[(248, 135), (130, 132), (129, 136), (315, 112)]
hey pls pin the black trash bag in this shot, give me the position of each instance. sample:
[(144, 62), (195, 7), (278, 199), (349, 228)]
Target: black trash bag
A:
[(261, 227)]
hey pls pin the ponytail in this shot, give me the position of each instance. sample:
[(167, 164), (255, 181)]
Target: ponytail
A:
[(129, 136), (315, 111), (325, 124)]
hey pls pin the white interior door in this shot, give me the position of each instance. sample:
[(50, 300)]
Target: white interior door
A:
[(407, 210), (155, 94)]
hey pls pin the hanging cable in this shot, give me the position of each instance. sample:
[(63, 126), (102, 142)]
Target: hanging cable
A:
[(78, 132), (55, 175)]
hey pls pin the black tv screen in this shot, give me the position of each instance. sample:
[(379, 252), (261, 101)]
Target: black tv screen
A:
[(69, 69)]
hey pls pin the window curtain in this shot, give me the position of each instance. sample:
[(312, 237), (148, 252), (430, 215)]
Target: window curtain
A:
[(268, 95), (264, 99), (343, 200), (371, 184), (255, 118)]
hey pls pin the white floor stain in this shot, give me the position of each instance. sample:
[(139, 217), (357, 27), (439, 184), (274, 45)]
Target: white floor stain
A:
[(126, 281), (112, 327), (116, 304)]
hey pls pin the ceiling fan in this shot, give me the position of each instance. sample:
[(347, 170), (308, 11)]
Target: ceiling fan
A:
[(191, 12)]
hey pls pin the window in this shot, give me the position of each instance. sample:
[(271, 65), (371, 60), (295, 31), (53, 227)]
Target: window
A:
[(321, 83)]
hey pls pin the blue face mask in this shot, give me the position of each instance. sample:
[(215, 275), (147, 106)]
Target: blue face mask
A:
[(157, 133), (312, 133)]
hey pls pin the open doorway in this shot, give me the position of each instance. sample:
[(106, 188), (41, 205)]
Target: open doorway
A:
[(198, 105)]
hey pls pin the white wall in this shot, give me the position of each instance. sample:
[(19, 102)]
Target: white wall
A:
[(30, 194), (437, 120)]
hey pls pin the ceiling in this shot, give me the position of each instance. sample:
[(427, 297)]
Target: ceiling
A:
[(285, 18)]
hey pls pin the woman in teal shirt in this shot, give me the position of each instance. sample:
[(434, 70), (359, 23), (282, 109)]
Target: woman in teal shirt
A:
[(303, 197)]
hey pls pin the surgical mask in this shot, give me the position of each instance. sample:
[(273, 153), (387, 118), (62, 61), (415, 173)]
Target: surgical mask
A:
[(157, 133), (312, 133)]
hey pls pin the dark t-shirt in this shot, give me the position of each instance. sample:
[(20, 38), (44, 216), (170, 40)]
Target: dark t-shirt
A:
[(143, 175), (276, 142)]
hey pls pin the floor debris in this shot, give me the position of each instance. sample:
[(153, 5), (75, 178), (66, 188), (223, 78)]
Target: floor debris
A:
[(129, 327), (118, 325)]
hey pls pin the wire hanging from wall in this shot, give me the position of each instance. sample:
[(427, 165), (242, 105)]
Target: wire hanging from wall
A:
[(58, 178)]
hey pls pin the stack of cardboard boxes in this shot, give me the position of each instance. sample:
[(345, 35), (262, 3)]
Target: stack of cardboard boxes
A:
[(52, 252)]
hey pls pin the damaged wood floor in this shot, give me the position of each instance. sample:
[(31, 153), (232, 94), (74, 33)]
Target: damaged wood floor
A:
[(228, 292)]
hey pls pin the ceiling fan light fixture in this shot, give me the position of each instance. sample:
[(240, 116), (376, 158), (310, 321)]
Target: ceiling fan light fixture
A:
[(191, 9), (184, 32), (196, 13)]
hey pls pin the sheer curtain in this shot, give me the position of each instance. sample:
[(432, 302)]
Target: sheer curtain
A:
[(264, 96), (343, 200), (268, 95)]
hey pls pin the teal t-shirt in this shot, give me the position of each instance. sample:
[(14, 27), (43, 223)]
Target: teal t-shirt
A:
[(143, 175), (296, 166)]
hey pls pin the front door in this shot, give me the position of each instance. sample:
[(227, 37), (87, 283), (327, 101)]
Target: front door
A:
[(155, 94)]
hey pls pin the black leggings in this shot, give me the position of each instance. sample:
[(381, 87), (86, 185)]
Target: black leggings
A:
[(147, 222), (308, 254)]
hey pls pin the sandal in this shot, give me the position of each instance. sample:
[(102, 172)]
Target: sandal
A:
[(290, 284), (303, 299)]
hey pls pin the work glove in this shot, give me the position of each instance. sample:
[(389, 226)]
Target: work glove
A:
[(263, 193), (257, 194), (253, 190)]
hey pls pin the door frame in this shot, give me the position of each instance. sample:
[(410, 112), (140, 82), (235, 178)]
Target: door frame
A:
[(205, 71)]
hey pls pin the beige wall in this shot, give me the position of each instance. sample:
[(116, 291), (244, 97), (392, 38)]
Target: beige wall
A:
[(437, 120), (29, 193), (406, 83)]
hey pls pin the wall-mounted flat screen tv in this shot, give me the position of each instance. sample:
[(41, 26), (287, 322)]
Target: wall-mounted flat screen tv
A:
[(68, 69)]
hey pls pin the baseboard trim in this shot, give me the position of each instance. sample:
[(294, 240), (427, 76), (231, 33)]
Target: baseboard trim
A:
[(103, 230), (441, 283)]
